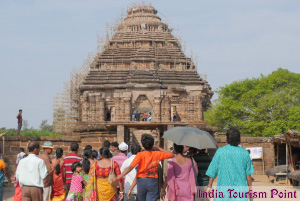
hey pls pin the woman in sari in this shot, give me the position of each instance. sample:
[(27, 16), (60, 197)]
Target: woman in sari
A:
[(3, 171), (181, 177), (87, 163), (98, 187), (58, 193)]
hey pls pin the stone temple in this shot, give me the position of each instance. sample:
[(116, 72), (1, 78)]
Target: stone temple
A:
[(141, 69)]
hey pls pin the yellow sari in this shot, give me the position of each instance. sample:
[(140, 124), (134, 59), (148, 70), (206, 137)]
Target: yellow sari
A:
[(106, 191)]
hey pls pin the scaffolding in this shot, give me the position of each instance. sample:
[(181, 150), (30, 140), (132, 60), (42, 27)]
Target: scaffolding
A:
[(66, 104)]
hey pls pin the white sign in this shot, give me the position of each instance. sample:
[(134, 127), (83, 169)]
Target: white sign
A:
[(256, 152)]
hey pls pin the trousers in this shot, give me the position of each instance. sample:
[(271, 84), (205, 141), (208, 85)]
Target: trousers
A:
[(32, 193), (147, 189)]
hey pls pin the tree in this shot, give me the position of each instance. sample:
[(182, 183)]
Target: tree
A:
[(262, 106), (45, 126), (25, 124)]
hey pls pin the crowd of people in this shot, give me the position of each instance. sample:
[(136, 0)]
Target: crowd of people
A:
[(127, 172), (141, 116)]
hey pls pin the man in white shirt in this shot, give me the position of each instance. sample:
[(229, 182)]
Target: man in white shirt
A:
[(129, 178), (30, 174)]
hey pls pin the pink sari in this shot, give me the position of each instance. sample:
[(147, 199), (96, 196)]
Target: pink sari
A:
[(183, 176)]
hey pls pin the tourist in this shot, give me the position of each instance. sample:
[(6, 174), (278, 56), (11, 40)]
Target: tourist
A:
[(99, 177), (30, 174), (133, 117), (67, 165), (76, 190), (147, 162), (174, 118), (121, 157), (129, 178), (129, 154), (94, 155), (180, 177), (232, 165), (106, 143), (20, 120), (137, 116), (88, 147), (18, 190), (203, 160), (3, 171), (150, 117), (114, 148), (87, 163), (48, 181), (20, 155), (58, 193), (145, 116)]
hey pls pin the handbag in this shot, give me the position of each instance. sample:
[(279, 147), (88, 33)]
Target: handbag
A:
[(112, 175), (197, 184)]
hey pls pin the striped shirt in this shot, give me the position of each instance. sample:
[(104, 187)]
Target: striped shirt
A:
[(203, 160), (67, 165)]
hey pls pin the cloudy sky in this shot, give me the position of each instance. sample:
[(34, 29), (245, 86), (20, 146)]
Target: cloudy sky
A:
[(41, 41)]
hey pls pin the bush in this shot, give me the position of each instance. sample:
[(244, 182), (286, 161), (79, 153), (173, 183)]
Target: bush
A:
[(28, 132)]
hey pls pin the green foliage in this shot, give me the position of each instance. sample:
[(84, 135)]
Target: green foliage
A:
[(45, 126), (262, 106), (45, 130)]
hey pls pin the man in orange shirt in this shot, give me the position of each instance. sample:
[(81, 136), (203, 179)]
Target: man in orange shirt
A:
[(147, 161)]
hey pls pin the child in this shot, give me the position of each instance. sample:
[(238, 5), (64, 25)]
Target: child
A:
[(147, 162), (75, 193)]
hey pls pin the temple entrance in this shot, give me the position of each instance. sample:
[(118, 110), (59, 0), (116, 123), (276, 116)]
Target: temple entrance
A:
[(144, 108)]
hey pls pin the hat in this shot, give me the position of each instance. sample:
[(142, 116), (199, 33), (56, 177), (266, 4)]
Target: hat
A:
[(123, 146), (48, 144)]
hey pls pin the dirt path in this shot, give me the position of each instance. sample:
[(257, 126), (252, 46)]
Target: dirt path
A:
[(260, 183)]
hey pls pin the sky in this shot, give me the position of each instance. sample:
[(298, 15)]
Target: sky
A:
[(41, 41)]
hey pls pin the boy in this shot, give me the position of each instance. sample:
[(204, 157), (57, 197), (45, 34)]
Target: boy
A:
[(147, 161)]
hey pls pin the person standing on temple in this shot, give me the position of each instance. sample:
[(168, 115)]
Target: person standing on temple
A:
[(137, 116), (30, 173), (48, 181), (20, 120)]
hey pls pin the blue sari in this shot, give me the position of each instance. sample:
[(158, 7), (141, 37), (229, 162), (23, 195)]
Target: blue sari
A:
[(1, 184)]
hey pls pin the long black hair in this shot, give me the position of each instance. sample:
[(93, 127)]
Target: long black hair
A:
[(59, 153), (105, 152), (94, 154), (86, 165)]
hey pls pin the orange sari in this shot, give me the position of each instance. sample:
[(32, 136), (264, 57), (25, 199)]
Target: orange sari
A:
[(58, 192)]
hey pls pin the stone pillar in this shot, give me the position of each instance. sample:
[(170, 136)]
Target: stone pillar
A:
[(122, 132), (156, 110), (118, 103), (166, 110), (101, 109), (127, 115)]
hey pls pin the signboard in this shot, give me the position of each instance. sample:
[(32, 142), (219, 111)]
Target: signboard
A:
[(256, 152)]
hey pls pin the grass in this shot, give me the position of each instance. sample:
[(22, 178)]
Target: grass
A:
[(28, 132)]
